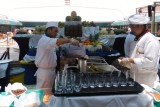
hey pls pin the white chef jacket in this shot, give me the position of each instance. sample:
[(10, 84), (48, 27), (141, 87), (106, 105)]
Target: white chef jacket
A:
[(146, 57), (129, 44), (46, 61)]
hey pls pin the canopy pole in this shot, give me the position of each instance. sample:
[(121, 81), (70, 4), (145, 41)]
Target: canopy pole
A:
[(153, 19)]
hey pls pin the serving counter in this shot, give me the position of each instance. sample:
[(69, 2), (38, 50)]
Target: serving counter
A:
[(132, 100)]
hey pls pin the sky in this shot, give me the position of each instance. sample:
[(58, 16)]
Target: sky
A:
[(56, 10)]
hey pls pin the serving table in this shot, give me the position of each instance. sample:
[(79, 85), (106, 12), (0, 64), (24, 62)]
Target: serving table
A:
[(130, 100), (140, 99)]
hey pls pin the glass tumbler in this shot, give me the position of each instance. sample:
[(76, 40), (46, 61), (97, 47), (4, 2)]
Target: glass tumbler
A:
[(107, 79), (131, 81), (85, 80), (115, 78), (69, 82), (100, 79), (92, 80), (77, 82), (123, 80), (59, 82)]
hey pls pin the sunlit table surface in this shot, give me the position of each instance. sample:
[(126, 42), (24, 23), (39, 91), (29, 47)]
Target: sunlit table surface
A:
[(130, 100)]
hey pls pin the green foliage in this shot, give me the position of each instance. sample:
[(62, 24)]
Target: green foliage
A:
[(85, 23), (88, 24), (119, 31), (39, 30), (68, 18), (103, 32), (76, 18), (21, 31), (94, 38), (61, 24)]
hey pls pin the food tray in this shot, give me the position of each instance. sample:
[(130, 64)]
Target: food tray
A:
[(96, 61), (96, 57)]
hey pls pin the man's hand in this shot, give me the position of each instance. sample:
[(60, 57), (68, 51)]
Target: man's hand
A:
[(123, 61), (74, 42)]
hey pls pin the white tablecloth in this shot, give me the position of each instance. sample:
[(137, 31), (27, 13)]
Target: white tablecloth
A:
[(132, 100)]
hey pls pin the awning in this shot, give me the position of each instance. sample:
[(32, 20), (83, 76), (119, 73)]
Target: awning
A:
[(157, 18), (120, 23), (15, 22), (4, 22), (10, 22)]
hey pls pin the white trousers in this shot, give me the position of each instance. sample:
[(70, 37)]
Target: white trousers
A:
[(45, 80)]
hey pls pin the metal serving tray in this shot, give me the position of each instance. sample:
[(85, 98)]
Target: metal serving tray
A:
[(96, 91), (104, 91), (96, 57)]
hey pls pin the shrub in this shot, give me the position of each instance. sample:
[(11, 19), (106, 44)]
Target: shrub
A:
[(119, 31)]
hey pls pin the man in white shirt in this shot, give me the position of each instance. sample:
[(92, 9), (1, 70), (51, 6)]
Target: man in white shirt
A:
[(46, 59)]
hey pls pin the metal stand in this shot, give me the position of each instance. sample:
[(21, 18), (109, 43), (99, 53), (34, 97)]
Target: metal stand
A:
[(5, 54)]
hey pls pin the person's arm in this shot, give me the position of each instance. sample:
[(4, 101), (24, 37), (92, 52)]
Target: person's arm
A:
[(61, 41), (127, 45)]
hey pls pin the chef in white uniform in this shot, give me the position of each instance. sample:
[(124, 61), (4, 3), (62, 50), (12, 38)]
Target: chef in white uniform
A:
[(144, 57), (46, 59)]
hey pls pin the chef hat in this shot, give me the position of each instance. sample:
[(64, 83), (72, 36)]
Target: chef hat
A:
[(51, 24), (16, 86), (138, 19)]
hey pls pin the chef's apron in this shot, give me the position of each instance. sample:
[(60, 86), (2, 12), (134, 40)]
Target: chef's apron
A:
[(144, 76), (45, 78)]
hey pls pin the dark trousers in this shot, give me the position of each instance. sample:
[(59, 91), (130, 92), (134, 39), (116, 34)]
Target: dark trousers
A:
[(4, 81)]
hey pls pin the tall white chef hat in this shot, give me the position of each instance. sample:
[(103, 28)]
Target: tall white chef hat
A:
[(138, 19), (17, 85), (51, 24)]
